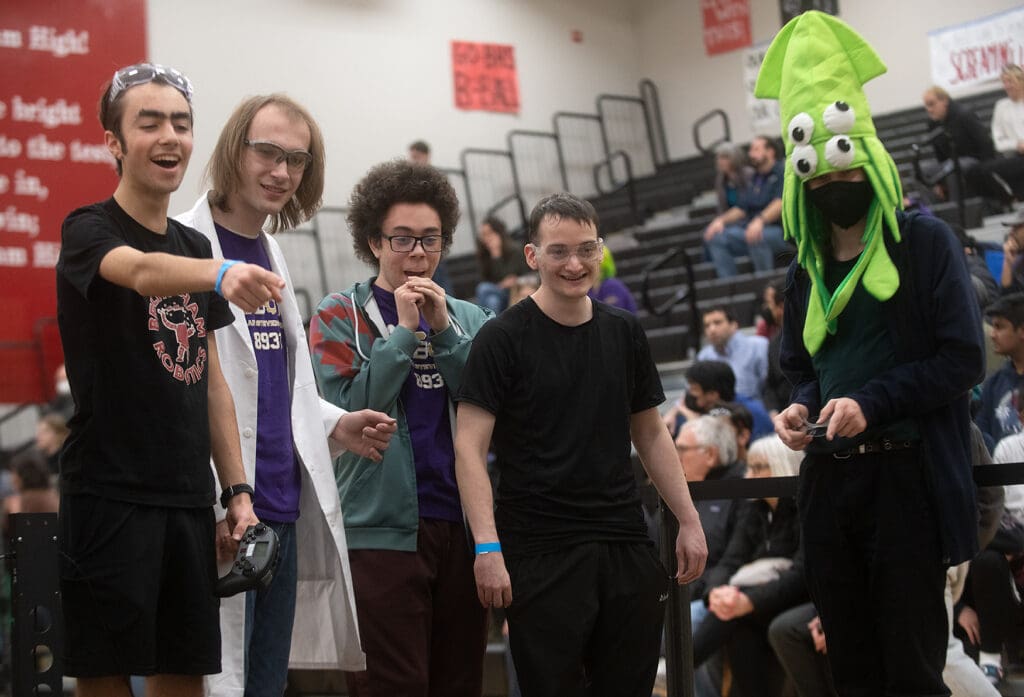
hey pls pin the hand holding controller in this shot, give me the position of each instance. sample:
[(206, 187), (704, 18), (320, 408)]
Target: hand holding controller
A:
[(254, 564)]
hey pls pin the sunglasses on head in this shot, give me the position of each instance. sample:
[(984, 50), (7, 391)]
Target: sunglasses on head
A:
[(142, 73)]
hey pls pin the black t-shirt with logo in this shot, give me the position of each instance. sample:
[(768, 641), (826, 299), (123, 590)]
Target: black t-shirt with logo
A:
[(137, 367), (562, 398)]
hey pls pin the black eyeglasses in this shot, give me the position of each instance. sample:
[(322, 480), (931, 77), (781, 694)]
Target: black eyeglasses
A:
[(147, 72), (272, 154), (407, 243)]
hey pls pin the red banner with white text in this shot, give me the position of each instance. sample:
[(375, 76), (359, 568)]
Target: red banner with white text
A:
[(56, 55), (726, 25)]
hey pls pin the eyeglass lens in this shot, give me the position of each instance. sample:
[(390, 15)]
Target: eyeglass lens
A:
[(588, 251), (407, 243), (271, 153)]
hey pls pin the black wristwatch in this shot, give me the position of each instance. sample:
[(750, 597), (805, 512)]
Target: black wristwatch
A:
[(233, 491)]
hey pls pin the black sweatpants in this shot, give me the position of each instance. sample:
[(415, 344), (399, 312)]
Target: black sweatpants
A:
[(874, 571), (586, 620)]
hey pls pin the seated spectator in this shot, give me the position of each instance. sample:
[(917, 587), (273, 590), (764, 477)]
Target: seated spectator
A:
[(51, 432), (752, 227), (707, 451), (708, 384), (742, 423), (798, 640), (766, 324), (1011, 279), (993, 611), (62, 402), (732, 175), (800, 643), (986, 290), (607, 263), (747, 355), (501, 262), (525, 286), (612, 291), (997, 413), (419, 152), (34, 490), (759, 576), (1008, 131), (960, 136), (776, 385)]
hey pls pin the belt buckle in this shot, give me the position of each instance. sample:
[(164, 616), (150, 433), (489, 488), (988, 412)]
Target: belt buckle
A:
[(843, 454), (887, 444)]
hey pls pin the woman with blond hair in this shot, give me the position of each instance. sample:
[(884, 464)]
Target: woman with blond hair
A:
[(759, 576)]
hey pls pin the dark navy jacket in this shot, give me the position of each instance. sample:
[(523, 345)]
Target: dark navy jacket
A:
[(936, 329)]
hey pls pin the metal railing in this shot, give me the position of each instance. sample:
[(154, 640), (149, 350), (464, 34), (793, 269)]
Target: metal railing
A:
[(707, 118), (33, 566), (627, 133), (655, 124), (623, 124), (679, 654), (686, 292), (627, 185)]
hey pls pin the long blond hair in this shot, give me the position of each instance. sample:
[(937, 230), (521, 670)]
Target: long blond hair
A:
[(224, 170)]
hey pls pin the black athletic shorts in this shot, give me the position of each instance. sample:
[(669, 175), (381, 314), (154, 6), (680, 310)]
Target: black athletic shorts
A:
[(138, 589)]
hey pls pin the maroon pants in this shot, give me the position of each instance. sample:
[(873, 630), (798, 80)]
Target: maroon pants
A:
[(422, 628)]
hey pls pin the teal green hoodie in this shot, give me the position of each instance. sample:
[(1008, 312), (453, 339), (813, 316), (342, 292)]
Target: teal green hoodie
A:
[(359, 364)]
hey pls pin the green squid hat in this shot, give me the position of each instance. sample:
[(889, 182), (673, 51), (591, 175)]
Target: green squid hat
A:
[(816, 67)]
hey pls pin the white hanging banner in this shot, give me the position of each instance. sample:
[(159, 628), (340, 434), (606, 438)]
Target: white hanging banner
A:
[(763, 113), (975, 52)]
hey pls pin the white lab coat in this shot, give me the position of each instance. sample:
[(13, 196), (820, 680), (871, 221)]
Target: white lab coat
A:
[(325, 634)]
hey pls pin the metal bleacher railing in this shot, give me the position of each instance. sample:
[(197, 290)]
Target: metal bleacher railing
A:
[(688, 290), (37, 632), (539, 162)]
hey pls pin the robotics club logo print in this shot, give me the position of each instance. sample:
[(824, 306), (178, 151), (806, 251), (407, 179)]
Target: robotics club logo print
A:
[(178, 330)]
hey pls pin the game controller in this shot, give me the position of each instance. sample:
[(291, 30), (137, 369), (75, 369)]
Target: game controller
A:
[(254, 564)]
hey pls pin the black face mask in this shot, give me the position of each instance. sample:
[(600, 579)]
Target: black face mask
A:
[(691, 402), (842, 203)]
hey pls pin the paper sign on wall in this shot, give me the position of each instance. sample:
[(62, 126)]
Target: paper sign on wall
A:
[(763, 113), (485, 77), (726, 25)]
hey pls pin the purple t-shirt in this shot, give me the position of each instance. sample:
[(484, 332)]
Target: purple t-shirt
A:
[(278, 480), (425, 403)]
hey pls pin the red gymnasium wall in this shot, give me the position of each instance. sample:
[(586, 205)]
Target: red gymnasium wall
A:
[(54, 58)]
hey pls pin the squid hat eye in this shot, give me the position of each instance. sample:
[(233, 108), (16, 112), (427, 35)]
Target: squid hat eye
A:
[(839, 117), (801, 128), (804, 160), (840, 151)]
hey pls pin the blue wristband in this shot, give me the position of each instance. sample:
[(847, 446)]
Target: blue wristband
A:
[(488, 547), (228, 263)]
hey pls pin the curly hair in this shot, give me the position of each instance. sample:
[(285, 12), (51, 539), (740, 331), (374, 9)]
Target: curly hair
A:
[(390, 183)]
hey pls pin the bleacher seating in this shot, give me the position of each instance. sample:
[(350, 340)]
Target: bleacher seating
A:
[(676, 184)]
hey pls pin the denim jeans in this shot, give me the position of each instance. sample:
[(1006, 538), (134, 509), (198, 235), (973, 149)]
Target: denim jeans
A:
[(492, 296), (269, 616), (732, 242)]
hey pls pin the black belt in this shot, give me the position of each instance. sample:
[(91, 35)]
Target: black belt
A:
[(883, 445)]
